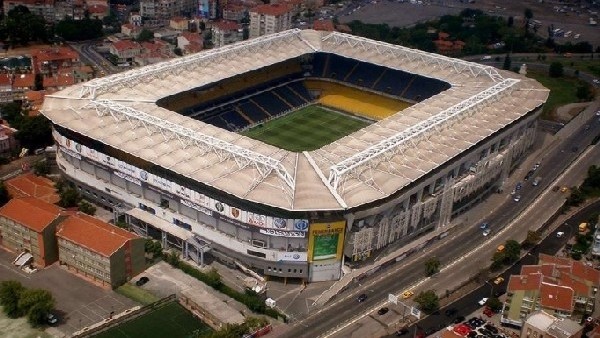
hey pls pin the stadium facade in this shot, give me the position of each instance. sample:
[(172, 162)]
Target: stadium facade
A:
[(146, 143)]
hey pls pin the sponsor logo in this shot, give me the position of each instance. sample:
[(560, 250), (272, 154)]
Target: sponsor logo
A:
[(78, 147), (296, 256), (144, 175), (279, 223), (235, 212), (281, 233), (301, 225), (219, 206)]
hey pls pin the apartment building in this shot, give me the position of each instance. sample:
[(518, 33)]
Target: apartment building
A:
[(44, 8), (561, 287), (8, 142), (226, 32), (541, 324), (269, 19), (166, 9), (28, 224), (99, 251), (596, 243), (125, 50)]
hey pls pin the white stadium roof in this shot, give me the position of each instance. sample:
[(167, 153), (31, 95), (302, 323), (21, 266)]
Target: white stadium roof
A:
[(120, 111)]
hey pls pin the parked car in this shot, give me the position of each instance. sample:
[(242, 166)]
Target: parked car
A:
[(484, 226), (407, 294), (142, 281), (486, 232), (560, 234), (450, 312), (483, 301), (498, 280), (51, 319), (361, 298), (517, 198), (459, 319)]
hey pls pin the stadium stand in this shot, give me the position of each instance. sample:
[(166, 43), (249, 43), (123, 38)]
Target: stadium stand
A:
[(421, 88), (271, 103), (289, 96), (299, 89), (393, 82), (255, 113), (365, 74), (320, 63)]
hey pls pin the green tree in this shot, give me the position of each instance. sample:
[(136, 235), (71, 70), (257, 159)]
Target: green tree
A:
[(10, 292), (507, 62), (41, 168), (556, 69), (77, 30), (87, 208), (36, 303), (494, 304), (145, 35), (533, 237), (512, 250), (153, 247), (432, 266), (584, 93), (35, 132), (4, 195), (12, 113), (23, 27), (428, 301), (69, 197)]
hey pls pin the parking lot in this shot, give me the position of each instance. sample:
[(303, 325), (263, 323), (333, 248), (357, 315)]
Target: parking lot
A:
[(78, 302)]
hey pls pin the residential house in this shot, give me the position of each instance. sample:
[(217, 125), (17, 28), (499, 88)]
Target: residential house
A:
[(324, 25), (43, 8), (33, 101), (31, 185), (135, 19), (190, 43), (226, 32), (179, 23), (99, 251), (6, 92), (98, 11), (125, 50), (269, 19), (28, 225), (130, 30), (50, 60), (58, 81), (234, 12), (561, 287), (8, 142), (542, 324), (22, 83)]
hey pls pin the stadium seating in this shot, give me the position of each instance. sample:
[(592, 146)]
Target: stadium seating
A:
[(364, 74), (340, 67), (289, 96), (271, 103), (393, 82), (421, 88), (255, 113), (235, 119), (320, 63), (299, 89)]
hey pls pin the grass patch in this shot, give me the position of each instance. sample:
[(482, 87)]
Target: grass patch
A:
[(563, 90), (171, 320), (19, 328), (137, 294), (306, 129)]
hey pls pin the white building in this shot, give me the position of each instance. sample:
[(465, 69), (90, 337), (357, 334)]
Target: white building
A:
[(269, 19)]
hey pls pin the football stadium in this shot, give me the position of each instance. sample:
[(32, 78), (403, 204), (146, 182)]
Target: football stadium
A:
[(292, 153)]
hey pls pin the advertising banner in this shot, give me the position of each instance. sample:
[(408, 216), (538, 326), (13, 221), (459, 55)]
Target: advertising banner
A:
[(188, 197), (292, 256), (326, 240)]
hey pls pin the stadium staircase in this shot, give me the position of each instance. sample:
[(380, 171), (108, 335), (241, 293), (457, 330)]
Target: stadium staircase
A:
[(326, 68), (408, 86), (239, 111), (378, 78), (351, 71), (282, 99), (260, 107), (305, 98)]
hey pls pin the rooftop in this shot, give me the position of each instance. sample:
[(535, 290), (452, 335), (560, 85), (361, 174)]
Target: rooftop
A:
[(556, 297), (93, 234), (30, 212), (31, 185), (271, 9), (368, 165)]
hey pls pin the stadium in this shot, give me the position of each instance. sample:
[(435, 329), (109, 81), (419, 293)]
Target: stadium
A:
[(291, 153)]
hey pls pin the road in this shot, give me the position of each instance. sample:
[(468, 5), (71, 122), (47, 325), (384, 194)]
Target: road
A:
[(468, 304), (333, 318), (90, 56)]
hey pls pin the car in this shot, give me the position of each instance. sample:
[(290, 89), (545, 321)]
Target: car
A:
[(536, 182), (51, 319), (564, 189), (560, 234), (482, 301), (498, 280), (450, 312), (142, 281), (407, 294), (598, 113), (484, 226), (517, 198), (383, 311), (519, 186), (401, 332), (489, 313), (459, 319), (486, 232), (596, 81), (361, 298), (529, 174)]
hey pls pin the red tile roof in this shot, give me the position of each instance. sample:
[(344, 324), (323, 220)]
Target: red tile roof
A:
[(98, 9), (5, 80), (524, 282), (93, 234), (585, 272), (324, 25), (30, 212), (556, 297), (54, 54), (122, 45), (30, 185), (271, 9), (24, 80), (59, 80), (226, 25)]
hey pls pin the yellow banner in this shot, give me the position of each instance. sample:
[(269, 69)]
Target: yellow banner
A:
[(326, 240)]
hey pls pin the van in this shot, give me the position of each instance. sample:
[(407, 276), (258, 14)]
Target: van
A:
[(500, 248)]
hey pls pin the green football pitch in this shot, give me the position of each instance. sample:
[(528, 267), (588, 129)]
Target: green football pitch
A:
[(306, 129), (171, 320)]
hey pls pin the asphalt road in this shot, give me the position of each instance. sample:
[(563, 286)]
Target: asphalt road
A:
[(468, 304), (380, 285)]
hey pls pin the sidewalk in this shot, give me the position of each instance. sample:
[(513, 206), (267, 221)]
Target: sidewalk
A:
[(473, 216)]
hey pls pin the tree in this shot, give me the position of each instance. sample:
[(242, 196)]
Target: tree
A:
[(512, 250), (153, 247), (528, 16), (41, 168), (556, 69), (533, 237), (10, 292), (584, 93), (36, 303), (432, 266), (4, 196), (69, 197), (77, 30), (494, 304), (35, 132), (510, 22), (145, 35), (428, 301), (507, 62), (87, 208), (22, 26)]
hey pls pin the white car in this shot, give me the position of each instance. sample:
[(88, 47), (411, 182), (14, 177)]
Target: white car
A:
[(483, 301), (517, 198), (486, 232), (559, 234)]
